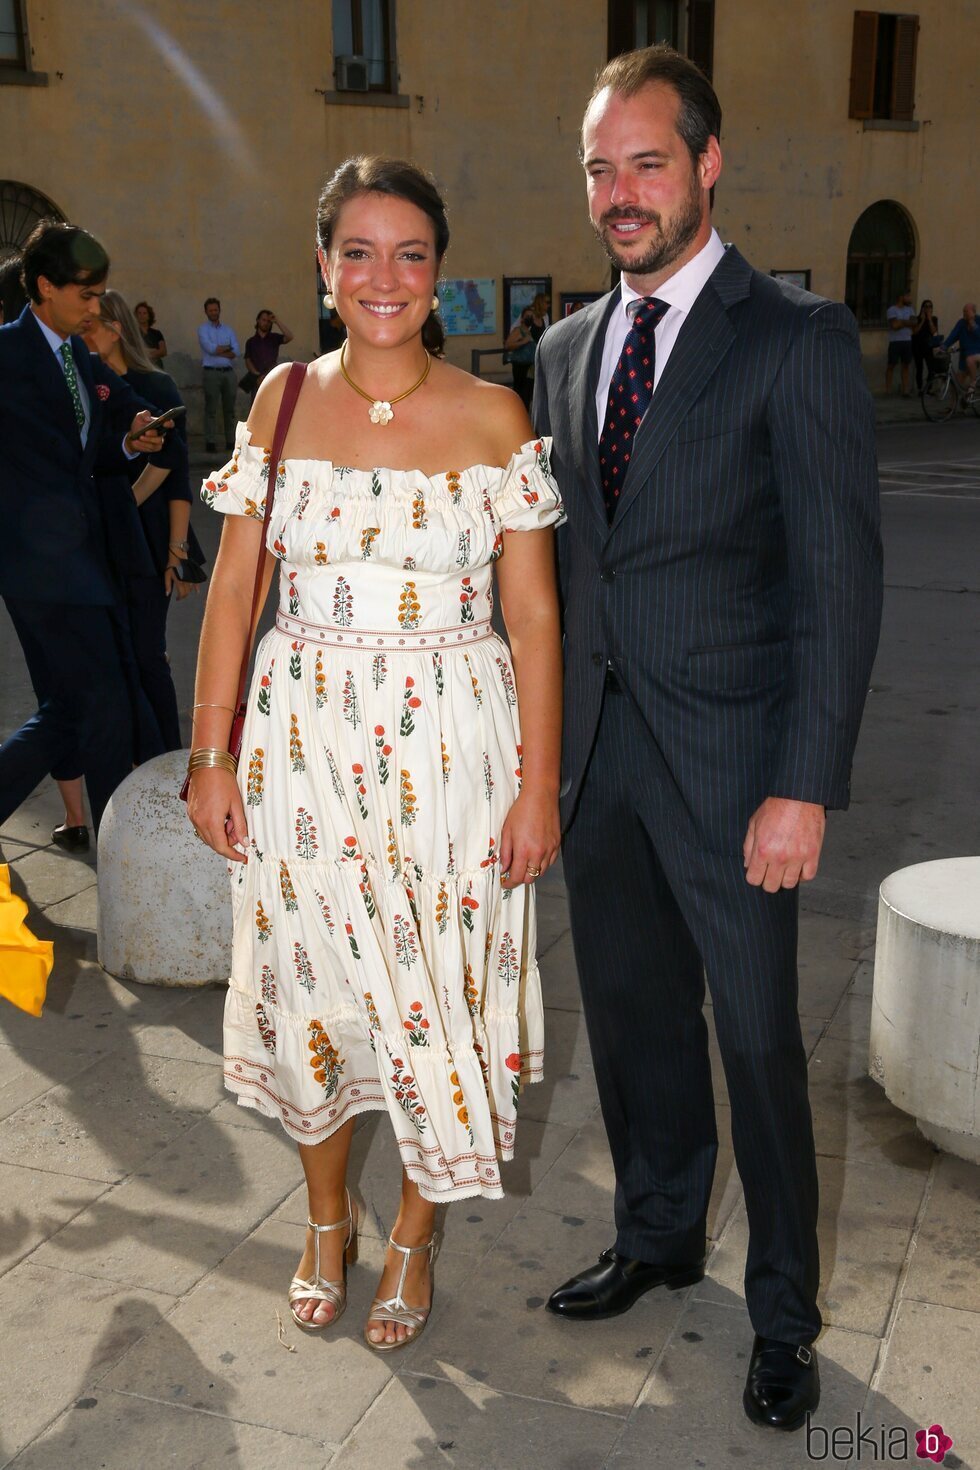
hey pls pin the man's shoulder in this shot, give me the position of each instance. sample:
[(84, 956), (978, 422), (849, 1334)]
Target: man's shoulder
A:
[(564, 335), (794, 306)]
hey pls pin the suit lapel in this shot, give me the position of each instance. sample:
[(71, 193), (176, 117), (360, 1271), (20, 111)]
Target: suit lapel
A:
[(583, 379), (703, 341), (51, 376)]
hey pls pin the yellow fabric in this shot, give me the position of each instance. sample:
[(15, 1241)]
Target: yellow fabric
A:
[(25, 962)]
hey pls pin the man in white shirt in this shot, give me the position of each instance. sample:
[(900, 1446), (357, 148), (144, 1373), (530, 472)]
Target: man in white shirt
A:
[(219, 348), (721, 579), (900, 318)]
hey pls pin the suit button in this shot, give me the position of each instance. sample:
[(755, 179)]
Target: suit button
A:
[(598, 660), (607, 576)]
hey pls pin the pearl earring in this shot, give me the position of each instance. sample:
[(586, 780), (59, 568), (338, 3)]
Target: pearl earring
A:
[(328, 301), (435, 303)]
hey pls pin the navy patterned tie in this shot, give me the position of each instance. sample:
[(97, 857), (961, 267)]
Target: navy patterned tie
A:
[(630, 392)]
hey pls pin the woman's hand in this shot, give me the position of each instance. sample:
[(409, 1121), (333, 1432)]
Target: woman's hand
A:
[(530, 839), (214, 806), (172, 583)]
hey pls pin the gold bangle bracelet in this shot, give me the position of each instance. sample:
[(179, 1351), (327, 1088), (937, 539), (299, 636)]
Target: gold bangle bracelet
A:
[(206, 759), (212, 706)]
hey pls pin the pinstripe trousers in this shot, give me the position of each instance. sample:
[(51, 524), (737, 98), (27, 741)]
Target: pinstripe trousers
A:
[(652, 912)]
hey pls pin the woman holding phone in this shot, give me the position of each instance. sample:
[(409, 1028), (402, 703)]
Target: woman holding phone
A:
[(155, 549), (390, 815)]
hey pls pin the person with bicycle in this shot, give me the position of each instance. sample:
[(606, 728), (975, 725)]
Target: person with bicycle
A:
[(966, 336)]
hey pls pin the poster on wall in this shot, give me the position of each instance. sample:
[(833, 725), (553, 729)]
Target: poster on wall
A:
[(571, 301), (468, 307), (520, 291), (795, 278)]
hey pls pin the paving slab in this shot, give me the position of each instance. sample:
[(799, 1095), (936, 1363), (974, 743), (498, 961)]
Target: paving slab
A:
[(80, 912), (864, 977), (944, 1259), (867, 1214), (191, 1034), (86, 1010), (852, 1115), (428, 1423), (60, 1331), (37, 1205), (169, 1224), (112, 1118), (219, 1349), (559, 977), (497, 1332), (49, 874), (115, 1431), (930, 1376), (826, 963), (552, 918), (25, 1075), (691, 1411), (583, 1183), (34, 819), (568, 1092)]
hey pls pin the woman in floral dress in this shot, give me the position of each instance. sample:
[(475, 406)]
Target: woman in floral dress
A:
[(390, 815)]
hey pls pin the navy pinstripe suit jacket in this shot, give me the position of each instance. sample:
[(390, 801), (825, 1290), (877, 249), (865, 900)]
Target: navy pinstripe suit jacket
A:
[(738, 592)]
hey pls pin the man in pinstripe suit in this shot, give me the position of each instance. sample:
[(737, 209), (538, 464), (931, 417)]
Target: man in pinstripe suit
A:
[(721, 581)]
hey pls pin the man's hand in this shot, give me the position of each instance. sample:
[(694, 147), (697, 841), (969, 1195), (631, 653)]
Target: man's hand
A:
[(783, 842), (144, 443)]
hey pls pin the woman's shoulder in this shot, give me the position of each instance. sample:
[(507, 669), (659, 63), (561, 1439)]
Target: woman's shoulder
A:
[(491, 408)]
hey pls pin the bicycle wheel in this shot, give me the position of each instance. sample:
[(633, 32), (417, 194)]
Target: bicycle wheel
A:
[(939, 398)]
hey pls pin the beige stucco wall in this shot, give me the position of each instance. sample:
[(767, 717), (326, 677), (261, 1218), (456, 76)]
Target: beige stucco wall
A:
[(193, 139)]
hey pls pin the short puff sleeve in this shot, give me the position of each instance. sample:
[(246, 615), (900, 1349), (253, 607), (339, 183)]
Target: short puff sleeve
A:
[(528, 498), (238, 488)]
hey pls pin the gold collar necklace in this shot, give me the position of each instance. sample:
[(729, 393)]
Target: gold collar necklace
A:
[(381, 411)]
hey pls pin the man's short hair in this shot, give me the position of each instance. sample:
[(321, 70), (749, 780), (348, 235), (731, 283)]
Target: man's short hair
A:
[(13, 297), (64, 254), (212, 301), (699, 117)]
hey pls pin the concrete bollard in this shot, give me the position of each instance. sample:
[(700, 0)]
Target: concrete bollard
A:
[(164, 897), (925, 1012)]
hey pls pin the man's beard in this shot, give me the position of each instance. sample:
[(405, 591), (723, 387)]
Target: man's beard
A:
[(665, 248)]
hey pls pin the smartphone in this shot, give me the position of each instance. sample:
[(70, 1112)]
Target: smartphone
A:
[(171, 413)]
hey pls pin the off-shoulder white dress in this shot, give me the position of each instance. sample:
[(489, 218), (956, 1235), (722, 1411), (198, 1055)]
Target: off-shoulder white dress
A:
[(377, 961)]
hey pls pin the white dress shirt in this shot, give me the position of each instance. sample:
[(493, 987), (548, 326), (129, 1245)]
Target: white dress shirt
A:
[(680, 292)]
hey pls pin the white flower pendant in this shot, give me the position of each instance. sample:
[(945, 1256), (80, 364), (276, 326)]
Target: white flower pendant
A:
[(380, 412)]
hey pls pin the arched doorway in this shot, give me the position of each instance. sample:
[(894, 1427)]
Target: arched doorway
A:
[(880, 261), (20, 209)]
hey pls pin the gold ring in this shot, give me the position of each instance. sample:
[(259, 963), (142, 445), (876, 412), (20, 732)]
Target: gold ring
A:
[(532, 872)]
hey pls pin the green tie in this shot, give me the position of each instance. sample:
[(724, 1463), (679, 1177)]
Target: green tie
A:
[(72, 381)]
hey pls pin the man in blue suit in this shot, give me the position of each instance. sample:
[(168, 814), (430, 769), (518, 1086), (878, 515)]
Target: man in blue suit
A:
[(62, 416), (721, 581)]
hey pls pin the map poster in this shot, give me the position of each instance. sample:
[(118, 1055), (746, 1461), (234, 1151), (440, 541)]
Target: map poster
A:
[(468, 308)]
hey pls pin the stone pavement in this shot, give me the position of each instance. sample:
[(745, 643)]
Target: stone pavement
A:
[(149, 1228)]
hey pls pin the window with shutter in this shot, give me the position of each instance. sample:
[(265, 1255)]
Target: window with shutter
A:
[(903, 70), (883, 52), (864, 48), (686, 24), (701, 34)]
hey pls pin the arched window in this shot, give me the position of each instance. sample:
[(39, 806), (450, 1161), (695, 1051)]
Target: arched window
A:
[(20, 209), (880, 259)]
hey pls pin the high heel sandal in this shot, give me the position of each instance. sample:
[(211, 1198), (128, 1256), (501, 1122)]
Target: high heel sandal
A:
[(395, 1308), (334, 1293)]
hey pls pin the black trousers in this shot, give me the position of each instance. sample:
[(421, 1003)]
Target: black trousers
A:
[(84, 721), (148, 605), (651, 914)]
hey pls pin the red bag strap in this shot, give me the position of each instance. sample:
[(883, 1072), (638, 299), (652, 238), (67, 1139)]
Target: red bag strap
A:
[(295, 379)]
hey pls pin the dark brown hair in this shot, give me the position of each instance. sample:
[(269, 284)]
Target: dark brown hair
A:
[(699, 117), (150, 312), (372, 174), (64, 254)]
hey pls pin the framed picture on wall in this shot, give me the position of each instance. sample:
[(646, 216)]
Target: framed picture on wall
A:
[(795, 278), (520, 291), (570, 301)]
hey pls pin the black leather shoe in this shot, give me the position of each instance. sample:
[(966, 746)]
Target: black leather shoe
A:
[(72, 839), (783, 1384), (614, 1283)]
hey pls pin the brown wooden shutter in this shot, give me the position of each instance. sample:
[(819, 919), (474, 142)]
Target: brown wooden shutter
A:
[(701, 34), (903, 67), (863, 51)]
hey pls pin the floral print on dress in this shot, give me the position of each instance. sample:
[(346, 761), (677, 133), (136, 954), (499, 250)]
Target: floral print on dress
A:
[(266, 1030), (467, 596), (297, 760), (407, 799), (416, 1025), (382, 752), (409, 608), (263, 924), (410, 703), (307, 846), (326, 1061), (343, 604), (305, 975), (255, 780), (406, 1094), (268, 985), (286, 888)]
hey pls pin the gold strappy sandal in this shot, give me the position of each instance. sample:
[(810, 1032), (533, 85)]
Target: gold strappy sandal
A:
[(395, 1308), (332, 1292)]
